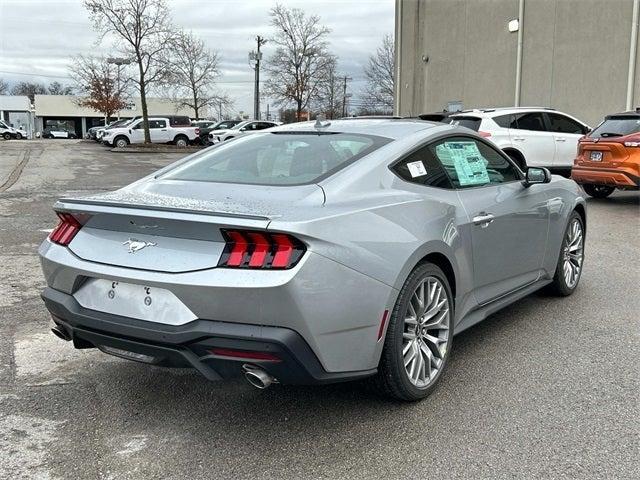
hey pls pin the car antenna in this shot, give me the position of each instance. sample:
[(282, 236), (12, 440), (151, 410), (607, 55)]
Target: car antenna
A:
[(319, 123)]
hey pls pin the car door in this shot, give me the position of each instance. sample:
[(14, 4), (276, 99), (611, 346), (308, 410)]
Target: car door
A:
[(528, 133), (566, 133), (508, 223), (158, 131), (136, 132)]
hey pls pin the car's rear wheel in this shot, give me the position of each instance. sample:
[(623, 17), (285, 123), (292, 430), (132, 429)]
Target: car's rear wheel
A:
[(419, 336), (121, 142), (598, 191), (517, 158), (181, 141), (571, 258), (18, 136)]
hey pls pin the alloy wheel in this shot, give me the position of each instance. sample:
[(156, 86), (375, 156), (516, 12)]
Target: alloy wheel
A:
[(426, 332), (573, 253)]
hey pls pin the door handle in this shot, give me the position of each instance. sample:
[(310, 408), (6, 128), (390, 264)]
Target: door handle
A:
[(561, 139), (483, 219), (519, 139), (163, 130)]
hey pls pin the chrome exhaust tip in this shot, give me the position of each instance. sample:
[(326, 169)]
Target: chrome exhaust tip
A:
[(257, 377), (61, 333)]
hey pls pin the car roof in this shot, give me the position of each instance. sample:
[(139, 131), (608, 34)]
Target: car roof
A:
[(630, 114), (388, 127), (493, 112)]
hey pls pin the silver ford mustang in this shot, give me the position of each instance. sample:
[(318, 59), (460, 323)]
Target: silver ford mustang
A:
[(313, 253)]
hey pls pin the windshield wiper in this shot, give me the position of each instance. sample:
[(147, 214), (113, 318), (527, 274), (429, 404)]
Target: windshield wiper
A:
[(610, 134)]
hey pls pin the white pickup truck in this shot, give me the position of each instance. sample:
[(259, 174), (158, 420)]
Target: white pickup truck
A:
[(160, 129)]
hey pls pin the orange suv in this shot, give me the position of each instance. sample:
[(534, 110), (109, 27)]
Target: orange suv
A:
[(609, 156)]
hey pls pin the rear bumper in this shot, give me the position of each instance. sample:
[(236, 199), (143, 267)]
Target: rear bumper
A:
[(619, 178), (189, 345)]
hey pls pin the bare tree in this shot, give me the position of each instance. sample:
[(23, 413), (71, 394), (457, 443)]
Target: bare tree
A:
[(98, 85), (192, 72), (4, 87), (299, 64), (330, 90), (379, 72), (142, 28), (56, 88), (29, 89)]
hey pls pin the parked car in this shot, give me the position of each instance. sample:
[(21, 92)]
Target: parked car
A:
[(159, 128), (208, 126), (443, 116), (609, 156), (242, 128), (118, 123), (540, 137), (7, 132), (57, 132), (310, 254)]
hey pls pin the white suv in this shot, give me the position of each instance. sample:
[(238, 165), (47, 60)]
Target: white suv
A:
[(540, 137)]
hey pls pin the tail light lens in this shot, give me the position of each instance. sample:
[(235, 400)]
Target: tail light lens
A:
[(632, 144), (197, 131), (68, 227), (484, 134), (260, 250)]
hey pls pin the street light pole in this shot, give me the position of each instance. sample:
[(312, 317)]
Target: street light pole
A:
[(257, 57), (118, 61)]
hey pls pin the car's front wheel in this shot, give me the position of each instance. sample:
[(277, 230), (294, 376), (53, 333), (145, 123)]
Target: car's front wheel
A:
[(419, 336), (569, 267), (121, 142), (598, 191), (7, 136)]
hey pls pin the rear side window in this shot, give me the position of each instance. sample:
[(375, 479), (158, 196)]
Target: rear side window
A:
[(471, 163), (422, 167), (277, 158), (529, 121), (617, 126), (506, 121), (183, 121), (472, 123)]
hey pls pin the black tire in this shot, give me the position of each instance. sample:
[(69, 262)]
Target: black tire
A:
[(559, 285), (6, 136), (72, 136), (181, 141), (120, 139), (18, 136), (518, 159), (392, 379), (598, 191)]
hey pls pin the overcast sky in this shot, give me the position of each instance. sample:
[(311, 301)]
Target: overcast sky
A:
[(37, 37)]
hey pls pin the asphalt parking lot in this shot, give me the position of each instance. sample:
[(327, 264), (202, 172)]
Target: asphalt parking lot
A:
[(547, 388)]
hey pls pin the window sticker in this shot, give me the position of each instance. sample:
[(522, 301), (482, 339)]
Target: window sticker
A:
[(416, 169), (469, 164)]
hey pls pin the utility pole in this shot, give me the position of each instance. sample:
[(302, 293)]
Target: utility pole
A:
[(344, 95), (256, 56)]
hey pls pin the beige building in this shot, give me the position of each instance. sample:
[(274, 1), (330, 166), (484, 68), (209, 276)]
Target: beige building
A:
[(578, 56), (63, 111)]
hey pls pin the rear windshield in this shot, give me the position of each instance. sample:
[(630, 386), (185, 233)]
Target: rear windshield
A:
[(470, 122), (617, 127), (277, 158)]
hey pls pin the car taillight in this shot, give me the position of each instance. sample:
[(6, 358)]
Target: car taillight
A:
[(68, 227), (484, 134), (260, 250), (197, 131)]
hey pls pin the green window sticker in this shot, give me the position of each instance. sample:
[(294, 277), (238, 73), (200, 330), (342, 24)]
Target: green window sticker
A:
[(469, 164)]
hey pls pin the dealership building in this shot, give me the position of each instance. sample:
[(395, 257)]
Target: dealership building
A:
[(578, 56), (63, 112)]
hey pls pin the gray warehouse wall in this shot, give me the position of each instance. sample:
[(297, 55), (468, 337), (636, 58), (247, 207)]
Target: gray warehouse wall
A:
[(575, 55)]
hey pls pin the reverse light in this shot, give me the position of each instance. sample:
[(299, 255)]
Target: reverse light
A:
[(632, 144), (260, 250), (484, 134), (66, 229), (245, 354)]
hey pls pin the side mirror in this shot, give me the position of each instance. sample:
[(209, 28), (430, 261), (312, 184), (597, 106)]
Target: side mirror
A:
[(243, 129), (534, 175)]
